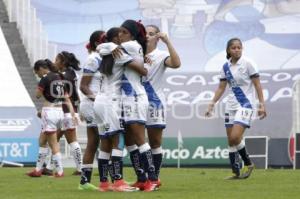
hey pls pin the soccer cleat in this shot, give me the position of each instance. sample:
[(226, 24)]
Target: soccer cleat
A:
[(157, 182), (232, 177), (76, 173), (150, 186), (139, 185), (57, 175), (104, 187), (87, 187), (47, 172), (246, 171), (122, 186), (34, 173)]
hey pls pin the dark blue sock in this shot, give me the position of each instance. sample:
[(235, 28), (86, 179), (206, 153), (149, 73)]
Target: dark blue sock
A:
[(245, 157), (234, 162), (117, 165), (103, 169), (147, 162), (157, 160), (135, 161), (86, 174)]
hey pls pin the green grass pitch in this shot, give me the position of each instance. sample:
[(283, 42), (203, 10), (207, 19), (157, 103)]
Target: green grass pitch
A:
[(181, 183)]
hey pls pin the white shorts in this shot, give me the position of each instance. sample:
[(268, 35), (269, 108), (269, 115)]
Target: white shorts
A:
[(52, 118), (87, 112), (242, 116), (108, 114), (135, 109), (156, 116), (68, 122)]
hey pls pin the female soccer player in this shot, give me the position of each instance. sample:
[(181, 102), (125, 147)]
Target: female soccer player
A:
[(108, 107), (89, 86), (159, 61), (135, 105), (67, 65), (51, 87), (243, 78)]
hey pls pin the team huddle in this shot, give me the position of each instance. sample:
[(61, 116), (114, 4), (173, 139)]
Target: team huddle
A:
[(122, 99)]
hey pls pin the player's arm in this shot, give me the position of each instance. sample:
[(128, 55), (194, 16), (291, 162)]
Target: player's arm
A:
[(218, 94), (84, 86), (38, 92), (137, 66), (68, 102), (173, 61), (257, 85), (40, 88)]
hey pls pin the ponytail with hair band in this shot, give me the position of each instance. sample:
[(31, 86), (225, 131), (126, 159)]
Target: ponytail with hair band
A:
[(88, 46), (141, 28)]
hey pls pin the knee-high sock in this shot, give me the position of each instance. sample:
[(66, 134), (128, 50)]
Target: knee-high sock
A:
[(77, 155), (49, 162), (103, 159), (243, 153), (157, 159), (117, 163), (43, 152), (58, 163), (147, 161), (86, 173), (234, 160), (135, 161)]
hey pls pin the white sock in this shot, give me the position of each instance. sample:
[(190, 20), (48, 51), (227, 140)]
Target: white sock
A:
[(43, 152), (77, 156), (58, 163), (49, 162)]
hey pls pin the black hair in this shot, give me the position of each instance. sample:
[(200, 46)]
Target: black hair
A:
[(138, 31), (229, 43), (108, 60), (69, 60), (95, 37), (155, 27), (44, 63)]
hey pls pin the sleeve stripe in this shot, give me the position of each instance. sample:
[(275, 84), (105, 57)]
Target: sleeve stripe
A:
[(254, 75), (88, 71), (223, 79)]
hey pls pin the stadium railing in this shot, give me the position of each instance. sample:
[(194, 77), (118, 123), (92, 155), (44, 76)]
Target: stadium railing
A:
[(33, 35), (257, 147)]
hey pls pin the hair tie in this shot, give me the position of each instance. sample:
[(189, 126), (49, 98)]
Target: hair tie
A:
[(141, 28), (88, 46)]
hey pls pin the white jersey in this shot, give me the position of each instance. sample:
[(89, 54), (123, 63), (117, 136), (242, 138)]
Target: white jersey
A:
[(157, 69), (91, 68), (242, 91), (111, 85), (131, 80)]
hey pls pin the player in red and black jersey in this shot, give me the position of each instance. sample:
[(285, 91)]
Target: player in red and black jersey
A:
[(67, 64), (51, 88)]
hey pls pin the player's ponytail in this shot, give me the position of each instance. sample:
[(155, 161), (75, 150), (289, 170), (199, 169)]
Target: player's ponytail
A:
[(69, 60), (108, 61), (96, 38)]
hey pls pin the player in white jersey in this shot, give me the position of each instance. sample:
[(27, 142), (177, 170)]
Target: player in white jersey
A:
[(89, 86), (243, 78), (135, 105), (159, 61), (108, 109)]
